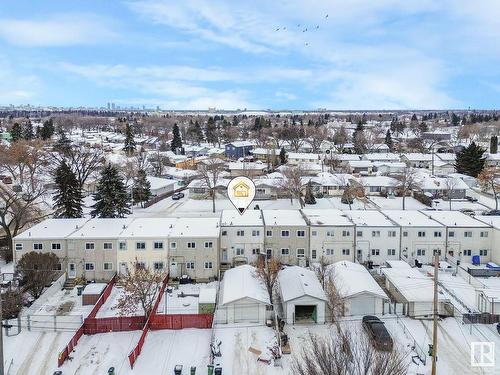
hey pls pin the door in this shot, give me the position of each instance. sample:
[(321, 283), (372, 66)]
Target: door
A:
[(362, 306), (123, 269), (224, 255), (71, 270), (173, 269), (246, 313)]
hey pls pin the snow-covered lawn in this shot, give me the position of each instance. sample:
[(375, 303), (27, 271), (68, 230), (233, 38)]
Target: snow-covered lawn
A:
[(183, 299), (458, 205), (396, 203), (109, 308), (64, 302)]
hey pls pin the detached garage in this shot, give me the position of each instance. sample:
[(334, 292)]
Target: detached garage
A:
[(362, 294), (243, 298), (303, 298)]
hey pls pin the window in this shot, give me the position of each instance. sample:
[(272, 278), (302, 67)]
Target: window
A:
[(209, 244), (436, 252), (239, 251), (140, 245), (58, 267), (359, 233), (89, 266), (285, 251), (483, 253), (420, 252), (301, 233), (468, 234), (313, 254), (375, 251), (158, 245), (269, 233), (421, 234), (391, 233), (208, 265), (191, 245), (158, 266), (269, 253), (240, 233), (224, 233), (19, 246), (173, 245), (89, 246), (329, 252), (346, 233), (346, 251), (56, 246), (405, 234), (107, 246), (451, 234), (255, 233), (467, 253), (391, 252), (190, 265), (314, 233), (122, 246), (108, 266), (329, 233), (37, 246), (484, 234), (255, 251), (437, 234), (375, 233), (301, 253), (140, 265), (285, 233)]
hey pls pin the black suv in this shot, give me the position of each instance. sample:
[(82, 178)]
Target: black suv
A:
[(379, 335)]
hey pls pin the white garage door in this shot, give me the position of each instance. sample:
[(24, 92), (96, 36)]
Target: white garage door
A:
[(362, 306), (246, 313)]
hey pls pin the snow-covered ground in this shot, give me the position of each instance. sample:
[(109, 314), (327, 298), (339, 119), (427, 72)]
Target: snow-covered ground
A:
[(183, 299), (109, 308), (396, 203)]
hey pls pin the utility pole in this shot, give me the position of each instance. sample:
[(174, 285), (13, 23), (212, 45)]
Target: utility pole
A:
[(1, 340), (435, 315)]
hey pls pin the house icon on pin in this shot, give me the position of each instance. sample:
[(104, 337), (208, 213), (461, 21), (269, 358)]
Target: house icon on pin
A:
[(241, 190)]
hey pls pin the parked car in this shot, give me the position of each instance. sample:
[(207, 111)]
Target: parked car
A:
[(492, 213), (177, 196), (377, 332), (468, 211), (471, 199)]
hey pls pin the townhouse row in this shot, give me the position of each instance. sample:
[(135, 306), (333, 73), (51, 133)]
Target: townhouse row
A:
[(95, 249)]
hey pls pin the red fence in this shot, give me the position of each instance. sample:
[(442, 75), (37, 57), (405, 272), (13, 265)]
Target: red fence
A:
[(180, 321), (113, 324), (74, 340), (132, 357)]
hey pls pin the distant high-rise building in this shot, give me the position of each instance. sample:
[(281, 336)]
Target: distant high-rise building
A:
[(113, 106), (109, 105)]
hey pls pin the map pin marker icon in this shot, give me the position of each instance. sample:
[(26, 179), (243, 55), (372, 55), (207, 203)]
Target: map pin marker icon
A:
[(241, 192)]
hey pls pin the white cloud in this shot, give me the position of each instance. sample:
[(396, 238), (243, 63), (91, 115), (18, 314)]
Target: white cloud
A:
[(16, 88), (57, 30)]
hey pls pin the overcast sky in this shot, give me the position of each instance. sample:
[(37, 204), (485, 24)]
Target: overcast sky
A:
[(186, 54)]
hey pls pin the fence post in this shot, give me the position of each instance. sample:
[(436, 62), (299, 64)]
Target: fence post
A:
[(55, 323), (29, 322)]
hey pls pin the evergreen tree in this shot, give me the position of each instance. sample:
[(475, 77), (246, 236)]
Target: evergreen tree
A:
[(282, 156), (470, 161), (388, 140), (111, 198), (129, 144), (359, 139), (47, 130), (68, 197), (309, 197), (211, 131), (455, 120), (494, 144), (27, 130), (176, 141), (63, 144), (16, 132), (142, 188)]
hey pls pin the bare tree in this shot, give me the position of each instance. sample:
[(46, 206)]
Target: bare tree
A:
[(158, 161), (292, 183), (141, 288), (37, 271), (450, 184), (19, 210), (340, 139), (334, 295), (210, 171), (406, 181), (321, 269), (489, 178), (267, 272), (346, 353), (315, 135)]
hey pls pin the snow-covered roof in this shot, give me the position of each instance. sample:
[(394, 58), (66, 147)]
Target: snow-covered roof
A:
[(377, 156), (297, 282), (241, 143), (330, 217), (448, 156), (329, 179), (455, 219), (494, 221), (196, 227), (237, 165), (52, 228), (411, 284), (101, 228), (302, 156), (379, 181), (368, 218), (352, 279), (417, 156), (180, 173), (94, 288), (251, 218), (407, 218), (159, 183), (283, 218), (492, 156), (149, 228), (360, 163), (266, 151), (427, 182), (241, 282), (397, 264)]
